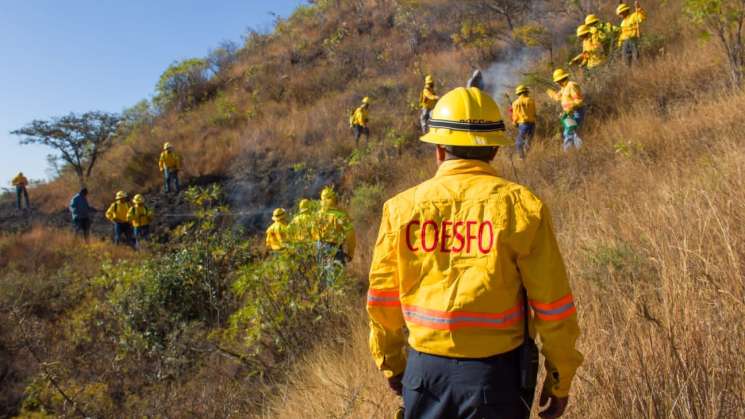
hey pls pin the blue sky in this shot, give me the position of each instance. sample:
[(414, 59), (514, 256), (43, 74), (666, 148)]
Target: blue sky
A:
[(80, 55)]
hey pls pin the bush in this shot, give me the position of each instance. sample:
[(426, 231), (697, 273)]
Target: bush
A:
[(367, 200)]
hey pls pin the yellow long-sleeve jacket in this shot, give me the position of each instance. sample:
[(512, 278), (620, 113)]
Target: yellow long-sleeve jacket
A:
[(428, 99), (117, 212), (631, 25), (523, 110), (140, 216), (19, 180), (570, 96), (301, 228), (276, 235), (593, 53), (360, 116), (169, 160), (450, 261), (334, 226)]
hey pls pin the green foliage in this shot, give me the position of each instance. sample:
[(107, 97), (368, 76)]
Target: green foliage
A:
[(605, 262), (285, 297), (226, 111), (182, 84), (156, 300), (367, 200), (474, 35)]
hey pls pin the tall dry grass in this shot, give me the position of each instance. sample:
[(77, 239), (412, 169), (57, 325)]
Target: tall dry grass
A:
[(651, 220)]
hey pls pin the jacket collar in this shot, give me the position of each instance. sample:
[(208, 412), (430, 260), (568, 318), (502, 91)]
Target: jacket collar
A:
[(465, 167)]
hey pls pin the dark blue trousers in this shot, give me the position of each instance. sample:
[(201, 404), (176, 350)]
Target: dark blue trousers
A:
[(436, 387)]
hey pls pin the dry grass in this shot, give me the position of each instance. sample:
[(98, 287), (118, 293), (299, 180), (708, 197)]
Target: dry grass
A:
[(650, 218)]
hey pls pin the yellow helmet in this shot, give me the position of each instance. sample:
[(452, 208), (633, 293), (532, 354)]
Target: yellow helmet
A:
[(167, 146), (466, 117), (138, 199), (591, 20), (365, 100), (560, 74), (582, 30), (304, 205), (429, 80), (279, 214), (121, 195), (622, 8), (328, 193), (520, 89)]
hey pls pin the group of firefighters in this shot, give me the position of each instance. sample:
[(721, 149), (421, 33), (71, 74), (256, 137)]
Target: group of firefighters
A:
[(330, 227), (130, 219), (599, 39), (462, 261)]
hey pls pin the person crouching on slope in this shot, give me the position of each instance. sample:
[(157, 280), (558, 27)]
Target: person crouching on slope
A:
[(452, 260), (523, 117), (169, 164), (140, 217), (117, 214), (572, 105), (276, 234)]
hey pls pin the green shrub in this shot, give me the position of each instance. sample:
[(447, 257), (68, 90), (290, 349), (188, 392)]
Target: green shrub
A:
[(367, 200), (285, 297)]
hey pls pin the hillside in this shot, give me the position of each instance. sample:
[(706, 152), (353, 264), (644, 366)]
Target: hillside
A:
[(649, 215)]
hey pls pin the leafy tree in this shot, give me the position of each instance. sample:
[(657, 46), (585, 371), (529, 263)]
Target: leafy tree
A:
[(184, 83), (80, 139), (724, 19)]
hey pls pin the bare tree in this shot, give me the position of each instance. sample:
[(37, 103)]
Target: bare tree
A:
[(725, 19), (79, 139)]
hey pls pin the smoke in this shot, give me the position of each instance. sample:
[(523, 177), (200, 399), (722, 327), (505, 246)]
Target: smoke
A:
[(502, 76)]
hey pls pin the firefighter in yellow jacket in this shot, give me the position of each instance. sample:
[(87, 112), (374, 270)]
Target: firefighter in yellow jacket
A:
[(277, 234), (523, 118), (592, 54), (334, 230), (359, 119), (169, 164), (140, 217), (451, 262), (117, 214), (572, 105), (20, 182), (630, 29), (301, 226), (427, 101)]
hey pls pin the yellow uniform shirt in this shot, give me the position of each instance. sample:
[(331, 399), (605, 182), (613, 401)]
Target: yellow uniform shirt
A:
[(631, 25), (360, 116), (20, 181), (117, 212), (570, 96), (450, 261), (169, 160), (428, 99), (301, 228), (140, 216), (276, 235), (523, 110), (334, 226)]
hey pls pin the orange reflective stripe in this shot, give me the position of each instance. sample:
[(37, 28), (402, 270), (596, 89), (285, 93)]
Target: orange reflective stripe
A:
[(557, 310), (452, 320), (383, 298)]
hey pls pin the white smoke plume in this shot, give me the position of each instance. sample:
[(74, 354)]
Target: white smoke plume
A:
[(502, 76)]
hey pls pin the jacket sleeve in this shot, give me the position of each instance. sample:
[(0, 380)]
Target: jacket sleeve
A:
[(161, 163), (387, 342), (544, 276), (111, 213), (131, 214), (429, 95)]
